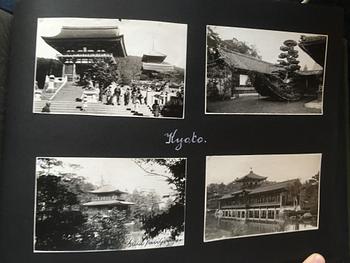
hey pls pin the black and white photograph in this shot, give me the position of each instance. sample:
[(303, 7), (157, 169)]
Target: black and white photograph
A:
[(107, 204), (255, 71), (251, 195), (110, 67)]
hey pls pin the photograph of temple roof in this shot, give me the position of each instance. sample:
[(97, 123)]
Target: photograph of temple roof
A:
[(110, 67), (107, 204), (255, 71), (271, 194)]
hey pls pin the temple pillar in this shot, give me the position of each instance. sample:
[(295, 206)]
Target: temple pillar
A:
[(281, 199), (63, 70), (74, 73)]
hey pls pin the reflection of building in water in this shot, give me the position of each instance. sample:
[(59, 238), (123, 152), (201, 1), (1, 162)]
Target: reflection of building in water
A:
[(259, 200), (81, 46), (106, 198)]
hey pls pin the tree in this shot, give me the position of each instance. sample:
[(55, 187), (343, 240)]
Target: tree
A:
[(174, 107), (222, 78), (57, 222), (144, 204), (103, 72), (214, 43), (46, 165), (78, 186), (61, 224), (105, 232), (288, 59), (309, 194), (129, 68), (73, 182), (172, 219), (59, 219), (46, 67), (294, 191)]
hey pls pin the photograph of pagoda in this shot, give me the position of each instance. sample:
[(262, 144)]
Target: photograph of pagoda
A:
[(110, 67), (254, 71), (250, 195), (106, 204)]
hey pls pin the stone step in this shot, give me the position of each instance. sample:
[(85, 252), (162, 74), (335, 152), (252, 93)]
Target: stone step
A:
[(241, 90), (68, 92), (93, 108)]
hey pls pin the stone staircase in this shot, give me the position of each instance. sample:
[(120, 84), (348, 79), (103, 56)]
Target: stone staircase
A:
[(46, 95), (245, 91), (68, 92), (93, 108)]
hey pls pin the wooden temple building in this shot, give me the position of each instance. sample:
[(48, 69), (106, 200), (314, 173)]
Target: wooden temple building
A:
[(258, 200), (81, 46), (224, 67), (153, 64), (106, 198), (315, 47)]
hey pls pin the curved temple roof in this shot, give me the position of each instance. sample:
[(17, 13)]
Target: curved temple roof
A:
[(158, 67), (106, 189), (274, 186), (315, 47), (264, 189), (106, 38), (108, 203), (248, 63), (251, 176), (153, 57)]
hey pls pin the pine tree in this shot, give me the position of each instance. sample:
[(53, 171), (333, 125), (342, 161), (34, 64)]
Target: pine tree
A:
[(288, 59)]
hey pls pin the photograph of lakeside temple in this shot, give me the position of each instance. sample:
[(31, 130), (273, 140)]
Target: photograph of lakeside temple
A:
[(249, 195), (254, 71), (110, 67), (104, 204)]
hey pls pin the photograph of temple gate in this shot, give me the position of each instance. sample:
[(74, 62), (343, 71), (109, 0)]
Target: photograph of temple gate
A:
[(249, 195), (104, 204), (110, 67), (253, 71)]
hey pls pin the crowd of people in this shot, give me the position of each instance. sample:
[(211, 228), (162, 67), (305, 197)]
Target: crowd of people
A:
[(131, 96)]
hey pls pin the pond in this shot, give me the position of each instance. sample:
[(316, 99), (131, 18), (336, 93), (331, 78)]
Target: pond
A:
[(216, 228)]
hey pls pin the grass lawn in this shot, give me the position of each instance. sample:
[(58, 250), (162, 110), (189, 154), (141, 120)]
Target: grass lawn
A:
[(259, 105)]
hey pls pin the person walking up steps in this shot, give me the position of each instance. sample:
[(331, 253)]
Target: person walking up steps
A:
[(127, 97), (85, 101)]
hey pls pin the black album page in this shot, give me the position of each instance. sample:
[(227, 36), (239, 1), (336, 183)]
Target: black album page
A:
[(178, 131)]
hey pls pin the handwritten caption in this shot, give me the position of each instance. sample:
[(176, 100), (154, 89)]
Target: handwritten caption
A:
[(179, 141)]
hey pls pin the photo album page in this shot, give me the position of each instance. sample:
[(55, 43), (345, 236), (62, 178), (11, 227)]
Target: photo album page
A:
[(177, 131)]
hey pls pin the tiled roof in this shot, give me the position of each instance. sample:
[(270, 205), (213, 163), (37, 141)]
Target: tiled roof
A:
[(107, 189), (315, 47), (153, 57), (87, 32), (274, 186), (310, 72), (246, 62), (251, 175), (313, 39), (107, 202), (106, 38), (159, 67), (231, 195)]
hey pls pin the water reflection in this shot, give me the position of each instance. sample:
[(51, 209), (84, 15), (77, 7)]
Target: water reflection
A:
[(225, 228)]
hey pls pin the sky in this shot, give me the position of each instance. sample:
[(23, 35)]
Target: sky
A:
[(140, 36), (225, 169), (267, 42), (122, 173)]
